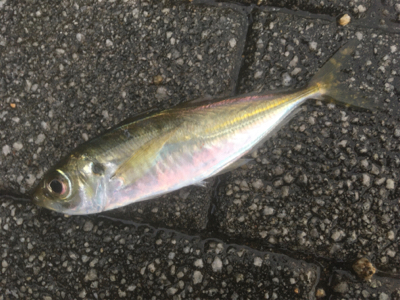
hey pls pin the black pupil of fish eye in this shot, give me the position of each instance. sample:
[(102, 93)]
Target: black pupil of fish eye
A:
[(97, 168), (56, 186)]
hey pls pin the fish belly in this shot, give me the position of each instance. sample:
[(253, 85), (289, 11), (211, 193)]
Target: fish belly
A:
[(186, 162)]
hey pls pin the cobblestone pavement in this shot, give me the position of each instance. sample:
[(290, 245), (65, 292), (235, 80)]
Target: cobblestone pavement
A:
[(318, 196)]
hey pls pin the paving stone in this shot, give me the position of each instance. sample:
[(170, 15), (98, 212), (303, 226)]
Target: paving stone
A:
[(333, 7), (74, 70), (377, 288), (314, 195), (136, 261), (324, 190)]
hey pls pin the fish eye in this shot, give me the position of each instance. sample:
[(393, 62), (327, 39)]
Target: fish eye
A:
[(97, 168), (59, 184), (57, 187)]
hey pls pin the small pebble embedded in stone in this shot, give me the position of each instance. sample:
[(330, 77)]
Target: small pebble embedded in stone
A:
[(344, 20)]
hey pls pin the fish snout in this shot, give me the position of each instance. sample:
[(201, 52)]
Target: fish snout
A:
[(46, 203), (37, 200)]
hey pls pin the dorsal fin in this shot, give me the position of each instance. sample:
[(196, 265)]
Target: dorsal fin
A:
[(201, 101)]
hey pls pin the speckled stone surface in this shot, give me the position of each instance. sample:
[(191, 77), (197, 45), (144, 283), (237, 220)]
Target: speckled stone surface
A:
[(332, 7), (93, 258), (73, 70), (327, 183), (346, 286), (320, 194)]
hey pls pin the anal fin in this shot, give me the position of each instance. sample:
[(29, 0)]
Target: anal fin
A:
[(237, 164), (202, 184)]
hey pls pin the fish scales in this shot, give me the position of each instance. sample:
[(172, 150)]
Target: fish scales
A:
[(194, 153), (185, 145)]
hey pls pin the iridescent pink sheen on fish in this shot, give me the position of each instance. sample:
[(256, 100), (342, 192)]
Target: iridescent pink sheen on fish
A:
[(178, 147)]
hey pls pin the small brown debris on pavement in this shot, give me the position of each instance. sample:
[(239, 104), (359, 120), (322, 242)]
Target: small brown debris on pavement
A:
[(364, 268)]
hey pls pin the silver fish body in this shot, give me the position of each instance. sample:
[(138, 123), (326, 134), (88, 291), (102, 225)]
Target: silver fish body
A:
[(174, 148), (193, 144)]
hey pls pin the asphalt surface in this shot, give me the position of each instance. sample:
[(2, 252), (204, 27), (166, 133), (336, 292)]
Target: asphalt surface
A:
[(318, 196)]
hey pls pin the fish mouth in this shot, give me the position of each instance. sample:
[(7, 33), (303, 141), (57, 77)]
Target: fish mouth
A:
[(37, 201), (43, 203), (40, 202)]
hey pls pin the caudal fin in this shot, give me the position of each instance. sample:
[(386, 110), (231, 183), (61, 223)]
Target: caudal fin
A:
[(327, 79)]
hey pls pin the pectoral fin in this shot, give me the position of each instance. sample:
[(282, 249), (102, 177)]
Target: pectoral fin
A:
[(142, 159)]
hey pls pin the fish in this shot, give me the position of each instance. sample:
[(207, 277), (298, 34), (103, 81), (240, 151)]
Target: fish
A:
[(168, 150)]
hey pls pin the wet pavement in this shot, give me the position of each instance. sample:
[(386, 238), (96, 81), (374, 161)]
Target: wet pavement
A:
[(318, 196)]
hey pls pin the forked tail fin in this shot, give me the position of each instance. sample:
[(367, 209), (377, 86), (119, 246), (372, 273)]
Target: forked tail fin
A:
[(327, 79)]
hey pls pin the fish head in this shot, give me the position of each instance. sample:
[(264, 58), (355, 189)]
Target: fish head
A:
[(75, 186)]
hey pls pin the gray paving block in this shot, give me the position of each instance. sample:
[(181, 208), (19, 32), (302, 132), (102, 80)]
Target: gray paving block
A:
[(333, 7), (345, 286), (327, 183), (325, 188), (72, 70), (391, 11), (92, 258)]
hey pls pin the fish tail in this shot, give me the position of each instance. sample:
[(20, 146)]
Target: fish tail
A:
[(329, 85)]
